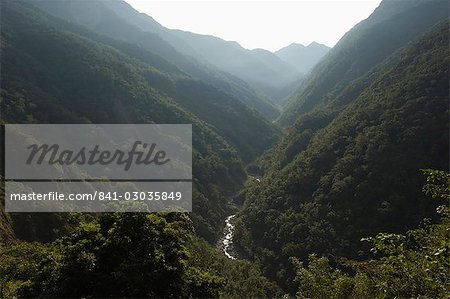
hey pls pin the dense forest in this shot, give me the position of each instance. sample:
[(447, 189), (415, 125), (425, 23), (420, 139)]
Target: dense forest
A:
[(46, 82), (342, 193), (116, 19), (357, 172)]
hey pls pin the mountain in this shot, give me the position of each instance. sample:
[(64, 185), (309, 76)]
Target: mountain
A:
[(116, 19), (228, 56), (46, 81), (55, 72), (351, 167), (301, 57), (392, 25), (199, 98), (337, 205), (261, 68)]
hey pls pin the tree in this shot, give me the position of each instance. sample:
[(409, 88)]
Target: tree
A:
[(411, 265)]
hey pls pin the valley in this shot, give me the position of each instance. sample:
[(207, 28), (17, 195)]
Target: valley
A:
[(317, 172)]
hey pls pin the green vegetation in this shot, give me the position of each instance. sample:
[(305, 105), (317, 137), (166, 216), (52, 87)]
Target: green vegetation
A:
[(343, 174), (337, 208), (127, 255), (54, 72), (139, 255), (117, 20), (203, 100), (411, 265), (390, 27)]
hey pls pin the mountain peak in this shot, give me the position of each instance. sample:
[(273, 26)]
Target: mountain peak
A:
[(292, 46), (301, 57), (296, 45), (317, 45)]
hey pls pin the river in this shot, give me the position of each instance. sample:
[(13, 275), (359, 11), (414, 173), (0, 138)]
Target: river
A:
[(226, 243)]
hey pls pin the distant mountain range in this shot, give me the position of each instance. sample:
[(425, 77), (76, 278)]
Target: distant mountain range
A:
[(354, 54), (267, 76), (54, 71), (301, 57)]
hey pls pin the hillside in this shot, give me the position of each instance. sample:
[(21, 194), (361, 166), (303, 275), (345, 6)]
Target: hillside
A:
[(116, 19), (261, 68), (392, 25), (343, 174), (344, 196), (270, 74), (54, 72), (46, 82), (199, 55)]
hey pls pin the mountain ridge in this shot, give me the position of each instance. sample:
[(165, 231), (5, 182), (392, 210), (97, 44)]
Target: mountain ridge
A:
[(230, 57), (304, 58), (101, 17), (344, 172), (44, 80), (353, 56)]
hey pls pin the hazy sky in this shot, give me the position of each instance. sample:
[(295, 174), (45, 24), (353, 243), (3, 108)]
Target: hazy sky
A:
[(269, 25)]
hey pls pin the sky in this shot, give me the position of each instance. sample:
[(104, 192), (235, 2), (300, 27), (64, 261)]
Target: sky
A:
[(269, 25)]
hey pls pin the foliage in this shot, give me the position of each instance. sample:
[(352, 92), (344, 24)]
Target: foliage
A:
[(128, 255), (347, 169), (55, 72), (146, 40), (319, 280), (239, 278), (411, 265), (391, 26), (350, 170)]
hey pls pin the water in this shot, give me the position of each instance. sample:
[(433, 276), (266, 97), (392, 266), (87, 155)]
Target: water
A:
[(226, 243)]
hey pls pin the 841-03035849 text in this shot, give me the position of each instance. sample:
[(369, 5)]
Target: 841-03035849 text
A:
[(101, 196)]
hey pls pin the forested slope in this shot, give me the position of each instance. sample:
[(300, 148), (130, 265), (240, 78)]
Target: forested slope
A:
[(349, 165), (52, 74), (345, 173), (392, 25), (118, 20)]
